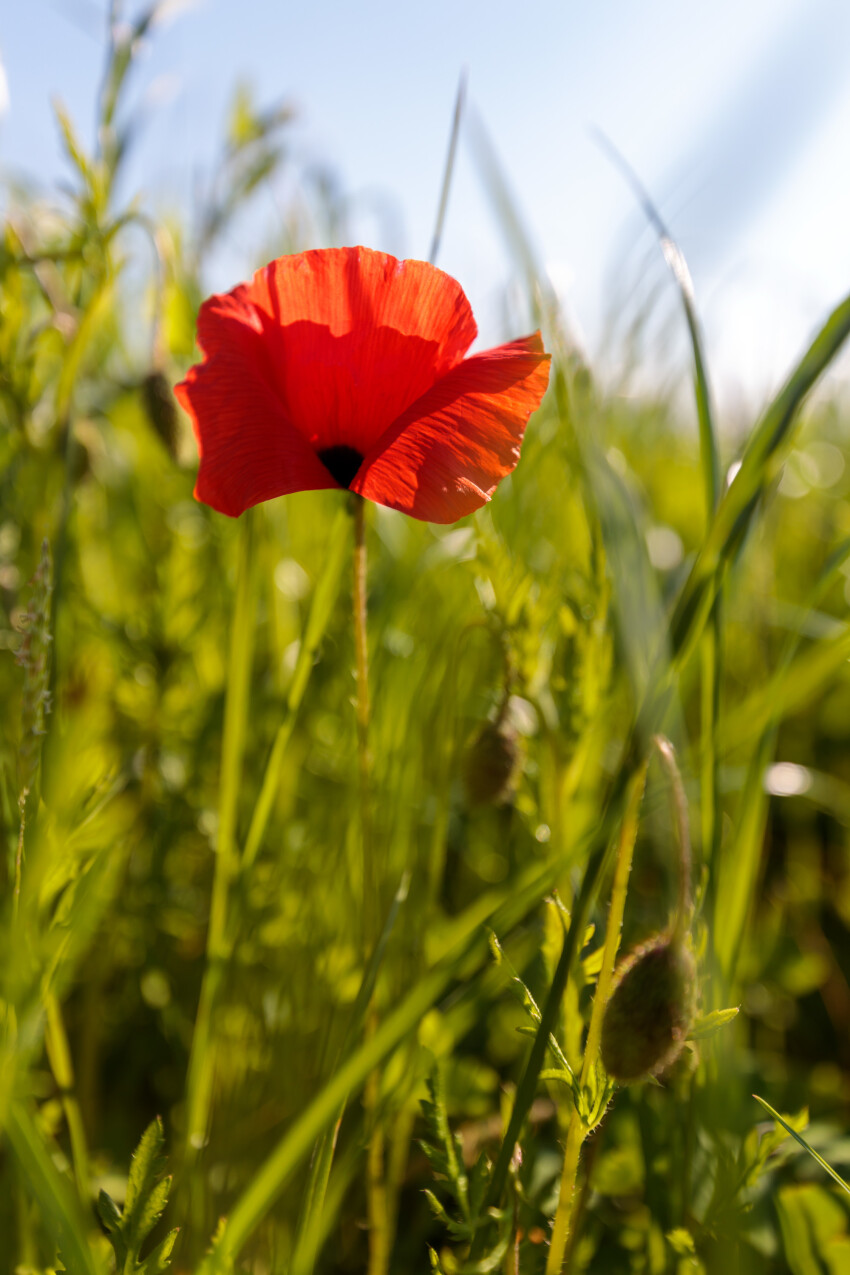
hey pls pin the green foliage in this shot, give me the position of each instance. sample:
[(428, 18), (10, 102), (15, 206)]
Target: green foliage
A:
[(200, 682), (466, 1191), (144, 1203)]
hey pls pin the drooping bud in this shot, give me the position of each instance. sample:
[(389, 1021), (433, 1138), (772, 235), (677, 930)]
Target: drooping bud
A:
[(650, 1009), (491, 764), (160, 409)]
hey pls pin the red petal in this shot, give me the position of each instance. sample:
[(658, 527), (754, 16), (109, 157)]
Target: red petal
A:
[(355, 337), (249, 449), (445, 456)]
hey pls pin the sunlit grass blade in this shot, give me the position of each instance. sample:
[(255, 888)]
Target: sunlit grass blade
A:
[(321, 609), (506, 908), (201, 1058), (836, 1177), (59, 1210), (739, 863), (273, 1175), (793, 684), (790, 690), (448, 173), (323, 1152), (675, 259), (540, 292), (736, 510)]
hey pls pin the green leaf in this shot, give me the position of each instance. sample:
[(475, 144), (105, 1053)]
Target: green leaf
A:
[(144, 1203), (57, 1204), (708, 1024), (73, 149), (804, 1144), (145, 1167), (814, 1231), (159, 1258)]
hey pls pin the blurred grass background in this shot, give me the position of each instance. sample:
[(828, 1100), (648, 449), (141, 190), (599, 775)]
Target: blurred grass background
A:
[(558, 595)]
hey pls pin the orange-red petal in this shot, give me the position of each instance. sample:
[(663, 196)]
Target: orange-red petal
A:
[(249, 449), (354, 337), (445, 456)]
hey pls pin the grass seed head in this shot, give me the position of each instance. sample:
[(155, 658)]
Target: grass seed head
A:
[(650, 1009)]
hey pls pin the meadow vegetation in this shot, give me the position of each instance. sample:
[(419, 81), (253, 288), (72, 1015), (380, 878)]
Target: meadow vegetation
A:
[(635, 656)]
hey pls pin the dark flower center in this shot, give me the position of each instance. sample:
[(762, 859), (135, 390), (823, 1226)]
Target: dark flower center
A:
[(341, 462)]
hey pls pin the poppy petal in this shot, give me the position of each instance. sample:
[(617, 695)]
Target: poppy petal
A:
[(355, 337), (249, 449), (445, 456)]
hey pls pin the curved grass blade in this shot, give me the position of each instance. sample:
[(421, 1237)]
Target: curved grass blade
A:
[(792, 686), (59, 1210), (309, 1223), (507, 907), (450, 167), (836, 1177), (736, 510), (679, 269), (739, 865), (199, 1083), (321, 608)]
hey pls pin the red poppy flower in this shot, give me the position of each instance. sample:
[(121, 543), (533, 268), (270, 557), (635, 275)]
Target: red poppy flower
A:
[(345, 368)]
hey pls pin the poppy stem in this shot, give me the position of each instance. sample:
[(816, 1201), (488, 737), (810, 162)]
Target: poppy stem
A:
[(363, 756), (376, 1187)]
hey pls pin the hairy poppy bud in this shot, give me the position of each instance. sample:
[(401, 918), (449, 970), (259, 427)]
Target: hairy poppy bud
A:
[(650, 1009), (490, 764), (160, 409)]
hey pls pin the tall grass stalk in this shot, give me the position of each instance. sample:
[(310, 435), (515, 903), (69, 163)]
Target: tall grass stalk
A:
[(202, 1054), (576, 1130)]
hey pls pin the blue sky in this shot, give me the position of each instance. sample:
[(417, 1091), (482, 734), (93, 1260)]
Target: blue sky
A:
[(736, 115)]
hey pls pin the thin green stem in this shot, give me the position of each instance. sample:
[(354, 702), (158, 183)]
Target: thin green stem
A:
[(19, 853), (59, 1056), (202, 1055), (363, 713), (576, 1130), (376, 1190), (679, 803), (321, 608)]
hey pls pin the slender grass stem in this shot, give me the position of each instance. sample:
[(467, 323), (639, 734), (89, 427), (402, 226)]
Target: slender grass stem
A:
[(202, 1054), (576, 1130), (19, 853), (59, 1056)]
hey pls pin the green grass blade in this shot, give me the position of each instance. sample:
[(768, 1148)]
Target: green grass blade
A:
[(739, 865), (506, 908), (836, 1177), (321, 609), (323, 1152), (737, 509), (201, 1058), (266, 1186), (675, 259), (791, 689), (59, 1210), (450, 167)]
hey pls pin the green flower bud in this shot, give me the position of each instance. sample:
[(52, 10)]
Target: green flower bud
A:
[(650, 1009)]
